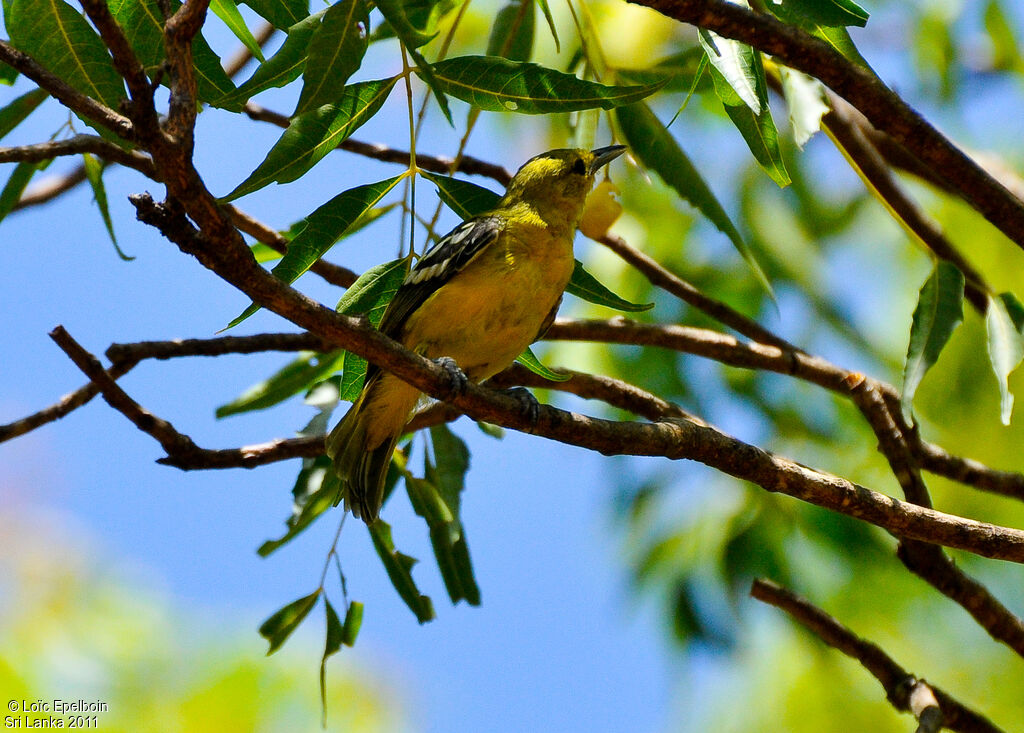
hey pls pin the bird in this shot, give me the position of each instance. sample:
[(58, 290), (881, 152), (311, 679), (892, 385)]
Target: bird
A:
[(473, 302)]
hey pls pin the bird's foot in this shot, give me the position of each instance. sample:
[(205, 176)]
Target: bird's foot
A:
[(456, 377), (527, 401)]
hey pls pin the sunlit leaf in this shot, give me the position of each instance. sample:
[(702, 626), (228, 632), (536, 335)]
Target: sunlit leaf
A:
[(939, 311), (297, 376), (512, 32), (806, 100), (819, 12), (335, 52), (586, 286), (313, 135), (279, 627), (499, 85), (399, 570), (529, 360), (1004, 323), (1001, 33), (654, 145), (227, 11), (353, 621), (464, 198)]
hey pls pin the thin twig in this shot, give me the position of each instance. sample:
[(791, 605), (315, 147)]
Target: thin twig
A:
[(243, 55), (906, 692), (76, 146)]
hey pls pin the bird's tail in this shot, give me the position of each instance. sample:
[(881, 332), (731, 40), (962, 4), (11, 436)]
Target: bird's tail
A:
[(361, 445)]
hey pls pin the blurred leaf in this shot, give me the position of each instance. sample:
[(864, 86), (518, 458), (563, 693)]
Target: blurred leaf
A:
[(313, 135), (279, 627), (512, 33), (282, 14), (819, 12), (464, 198), (1005, 48), (686, 622), (15, 186), (94, 174), (738, 74), (935, 50), (317, 488), (529, 360), (584, 285), (283, 67), (323, 228), (806, 100), (493, 431), (15, 112), (227, 11), (297, 376), (143, 25), (61, 39), (754, 548), (939, 311), (353, 622), (335, 53), (399, 570), (1004, 324), (499, 85), (546, 10)]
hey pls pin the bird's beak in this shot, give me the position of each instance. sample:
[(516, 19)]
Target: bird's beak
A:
[(604, 156)]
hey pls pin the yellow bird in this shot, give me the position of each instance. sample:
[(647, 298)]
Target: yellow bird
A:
[(476, 299)]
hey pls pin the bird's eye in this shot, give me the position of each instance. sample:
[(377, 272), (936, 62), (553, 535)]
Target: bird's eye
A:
[(579, 167)]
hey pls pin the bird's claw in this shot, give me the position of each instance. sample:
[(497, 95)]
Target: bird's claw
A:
[(456, 377), (527, 401)]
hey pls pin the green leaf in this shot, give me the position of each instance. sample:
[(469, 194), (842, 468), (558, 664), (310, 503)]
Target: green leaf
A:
[(143, 25), (279, 627), (14, 113), (297, 376), (399, 570), (333, 639), (512, 32), (353, 621), (283, 67), (426, 72), (227, 11), (939, 311), (1005, 48), (1004, 323), (654, 145), (546, 9), (61, 39), (317, 488), (369, 295), (806, 13), (94, 174), (584, 285), (839, 38), (395, 13), (499, 85), (8, 74), (529, 360), (807, 103), (15, 186), (464, 198), (452, 457), (738, 74), (313, 135), (282, 14), (335, 52)]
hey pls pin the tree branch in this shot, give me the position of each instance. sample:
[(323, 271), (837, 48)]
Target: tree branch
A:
[(76, 145), (931, 706)]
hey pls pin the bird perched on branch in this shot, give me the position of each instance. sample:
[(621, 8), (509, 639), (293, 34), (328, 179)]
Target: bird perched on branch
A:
[(476, 299)]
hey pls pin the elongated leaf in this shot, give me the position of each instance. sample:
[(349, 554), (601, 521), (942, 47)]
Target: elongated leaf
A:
[(353, 621), (586, 286), (227, 11), (399, 570), (396, 13), (652, 143), (839, 39), (499, 85), (317, 488), (61, 39), (143, 25), (512, 33), (14, 113), (1002, 36), (738, 75), (546, 9), (279, 627), (452, 462), (282, 14), (819, 12), (15, 186), (939, 311), (426, 72), (1004, 323), (529, 360), (805, 97), (283, 67), (464, 198), (333, 638), (335, 52), (313, 135), (8, 74), (94, 174), (297, 376)]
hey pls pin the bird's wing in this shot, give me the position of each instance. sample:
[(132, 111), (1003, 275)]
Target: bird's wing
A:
[(438, 265)]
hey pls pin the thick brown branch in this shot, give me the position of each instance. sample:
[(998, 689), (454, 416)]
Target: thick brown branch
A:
[(249, 456), (74, 100), (906, 692), (125, 60), (859, 86)]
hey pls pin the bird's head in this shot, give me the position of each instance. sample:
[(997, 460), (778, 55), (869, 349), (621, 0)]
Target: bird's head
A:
[(558, 181)]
